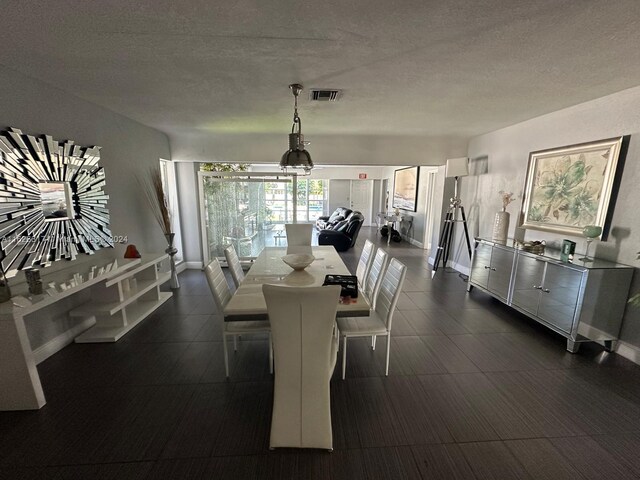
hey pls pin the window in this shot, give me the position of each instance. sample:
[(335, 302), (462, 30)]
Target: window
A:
[(312, 199)]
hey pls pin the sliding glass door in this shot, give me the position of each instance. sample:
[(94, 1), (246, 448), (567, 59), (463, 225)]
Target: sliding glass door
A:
[(245, 210)]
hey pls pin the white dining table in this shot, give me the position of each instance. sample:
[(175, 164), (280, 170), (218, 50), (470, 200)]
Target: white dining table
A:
[(247, 303)]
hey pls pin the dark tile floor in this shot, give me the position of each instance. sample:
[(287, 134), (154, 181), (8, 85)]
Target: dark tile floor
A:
[(475, 391)]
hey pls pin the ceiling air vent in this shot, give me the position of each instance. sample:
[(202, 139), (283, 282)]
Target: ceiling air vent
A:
[(324, 95)]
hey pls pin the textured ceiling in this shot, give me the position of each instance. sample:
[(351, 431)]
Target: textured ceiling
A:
[(419, 76)]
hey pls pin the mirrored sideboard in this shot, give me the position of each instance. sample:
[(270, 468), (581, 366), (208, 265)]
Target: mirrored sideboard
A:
[(583, 301)]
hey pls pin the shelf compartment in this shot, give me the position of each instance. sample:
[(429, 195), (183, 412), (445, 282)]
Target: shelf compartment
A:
[(136, 312), (112, 307), (145, 264)]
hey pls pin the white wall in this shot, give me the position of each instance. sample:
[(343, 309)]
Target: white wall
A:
[(187, 177), (443, 191), (334, 149), (332, 172), (128, 148), (421, 215), (508, 150)]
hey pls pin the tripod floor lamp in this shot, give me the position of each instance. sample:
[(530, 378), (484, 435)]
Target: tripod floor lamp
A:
[(456, 168)]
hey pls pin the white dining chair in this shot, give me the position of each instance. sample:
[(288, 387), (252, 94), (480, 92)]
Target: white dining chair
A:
[(380, 320), (305, 350), (374, 280), (221, 295), (298, 234), (233, 262), (364, 264)]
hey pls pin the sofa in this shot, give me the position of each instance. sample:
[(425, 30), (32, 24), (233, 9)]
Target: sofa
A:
[(343, 234), (326, 222)]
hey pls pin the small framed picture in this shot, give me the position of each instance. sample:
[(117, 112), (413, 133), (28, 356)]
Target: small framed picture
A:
[(568, 249)]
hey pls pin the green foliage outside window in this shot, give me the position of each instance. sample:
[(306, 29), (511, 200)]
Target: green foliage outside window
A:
[(224, 167)]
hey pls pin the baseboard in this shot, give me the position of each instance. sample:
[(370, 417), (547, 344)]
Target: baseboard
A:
[(193, 265), (414, 242), (181, 267), (43, 352), (628, 351), (460, 268)]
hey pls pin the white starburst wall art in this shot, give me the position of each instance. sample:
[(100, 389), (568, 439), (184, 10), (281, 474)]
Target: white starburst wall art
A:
[(52, 201)]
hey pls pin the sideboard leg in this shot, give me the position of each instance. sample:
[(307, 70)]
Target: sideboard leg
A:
[(572, 346)]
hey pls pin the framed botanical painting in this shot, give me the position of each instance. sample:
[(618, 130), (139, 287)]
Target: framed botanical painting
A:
[(568, 188), (405, 188)]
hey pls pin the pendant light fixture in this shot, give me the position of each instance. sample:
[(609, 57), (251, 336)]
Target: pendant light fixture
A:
[(296, 156)]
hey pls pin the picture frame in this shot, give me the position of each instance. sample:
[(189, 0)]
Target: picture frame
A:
[(54, 201), (568, 188), (405, 188)]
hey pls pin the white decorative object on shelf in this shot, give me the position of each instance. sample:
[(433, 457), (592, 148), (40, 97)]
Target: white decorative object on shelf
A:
[(500, 227), (501, 219)]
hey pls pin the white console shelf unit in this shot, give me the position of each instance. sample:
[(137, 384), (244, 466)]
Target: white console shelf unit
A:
[(122, 302), (111, 302)]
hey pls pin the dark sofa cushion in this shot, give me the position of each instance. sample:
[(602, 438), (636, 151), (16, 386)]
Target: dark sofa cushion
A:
[(338, 215), (340, 226), (334, 217)]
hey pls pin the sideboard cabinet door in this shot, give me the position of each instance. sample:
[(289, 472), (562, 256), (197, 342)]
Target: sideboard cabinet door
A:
[(481, 265), (500, 271), (559, 296), (528, 283)]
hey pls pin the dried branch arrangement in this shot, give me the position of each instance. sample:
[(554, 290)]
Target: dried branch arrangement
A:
[(152, 187)]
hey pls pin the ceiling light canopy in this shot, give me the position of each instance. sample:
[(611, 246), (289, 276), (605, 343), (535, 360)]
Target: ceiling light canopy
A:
[(296, 156)]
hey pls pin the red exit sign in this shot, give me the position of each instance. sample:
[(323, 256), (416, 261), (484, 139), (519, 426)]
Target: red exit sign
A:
[(362, 176)]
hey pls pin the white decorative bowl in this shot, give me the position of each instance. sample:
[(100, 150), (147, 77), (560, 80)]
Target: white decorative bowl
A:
[(298, 261)]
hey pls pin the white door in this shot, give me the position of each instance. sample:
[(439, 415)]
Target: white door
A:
[(339, 191), (361, 195)]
